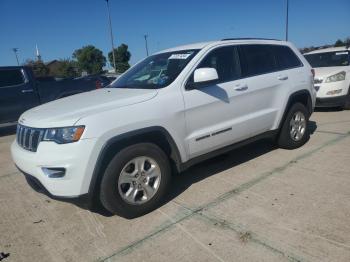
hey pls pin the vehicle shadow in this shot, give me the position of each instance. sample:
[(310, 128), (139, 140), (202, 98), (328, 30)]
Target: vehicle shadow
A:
[(229, 160), (7, 131), (181, 182)]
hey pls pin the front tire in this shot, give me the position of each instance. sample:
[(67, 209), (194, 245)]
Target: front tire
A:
[(135, 180), (295, 129)]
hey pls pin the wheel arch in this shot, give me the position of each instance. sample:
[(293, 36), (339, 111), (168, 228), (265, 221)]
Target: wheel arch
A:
[(301, 96), (156, 134)]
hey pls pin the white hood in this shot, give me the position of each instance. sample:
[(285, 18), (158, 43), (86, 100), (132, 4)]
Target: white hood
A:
[(324, 72), (67, 111)]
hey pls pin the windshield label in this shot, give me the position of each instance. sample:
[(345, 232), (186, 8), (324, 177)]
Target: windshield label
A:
[(179, 56), (341, 53)]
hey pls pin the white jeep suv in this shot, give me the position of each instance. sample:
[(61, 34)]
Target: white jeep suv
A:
[(332, 76), (120, 145)]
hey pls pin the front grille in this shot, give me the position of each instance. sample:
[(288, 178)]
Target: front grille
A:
[(29, 138)]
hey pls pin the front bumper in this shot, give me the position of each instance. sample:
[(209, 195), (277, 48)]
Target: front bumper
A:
[(323, 99), (331, 101), (73, 157), (84, 201)]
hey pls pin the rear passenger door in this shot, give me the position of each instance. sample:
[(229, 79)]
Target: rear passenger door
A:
[(16, 94), (265, 85)]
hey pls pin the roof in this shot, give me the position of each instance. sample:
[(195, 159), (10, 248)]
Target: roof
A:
[(51, 62), (201, 45), (329, 49), (188, 47)]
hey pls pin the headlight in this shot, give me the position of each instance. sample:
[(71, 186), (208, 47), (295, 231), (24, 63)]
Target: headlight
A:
[(64, 135), (334, 92), (337, 77)]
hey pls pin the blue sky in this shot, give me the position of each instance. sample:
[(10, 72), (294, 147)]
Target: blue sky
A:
[(61, 26)]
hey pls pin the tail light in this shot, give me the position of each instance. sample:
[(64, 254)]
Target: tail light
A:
[(98, 84), (313, 72)]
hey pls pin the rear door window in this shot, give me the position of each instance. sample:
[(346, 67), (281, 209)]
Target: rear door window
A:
[(11, 77), (256, 60)]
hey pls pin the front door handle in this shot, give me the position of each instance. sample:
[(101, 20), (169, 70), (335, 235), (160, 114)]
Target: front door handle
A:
[(282, 77), (27, 90), (241, 87)]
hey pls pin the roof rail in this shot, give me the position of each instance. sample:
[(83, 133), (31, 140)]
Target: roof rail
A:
[(249, 38)]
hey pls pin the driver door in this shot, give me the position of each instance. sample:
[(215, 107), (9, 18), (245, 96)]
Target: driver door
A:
[(213, 111)]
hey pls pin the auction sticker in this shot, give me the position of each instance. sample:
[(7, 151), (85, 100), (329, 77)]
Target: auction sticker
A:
[(179, 56)]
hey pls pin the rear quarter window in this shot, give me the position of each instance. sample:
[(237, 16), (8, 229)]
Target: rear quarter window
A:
[(11, 77), (285, 57)]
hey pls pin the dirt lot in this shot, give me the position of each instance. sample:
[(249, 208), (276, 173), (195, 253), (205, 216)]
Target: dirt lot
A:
[(257, 203)]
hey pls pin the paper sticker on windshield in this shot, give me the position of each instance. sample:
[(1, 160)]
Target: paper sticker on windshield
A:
[(179, 56), (341, 53)]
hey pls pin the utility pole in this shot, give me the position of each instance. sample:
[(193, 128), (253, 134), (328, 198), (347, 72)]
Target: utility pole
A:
[(287, 20), (111, 32), (15, 50), (146, 44)]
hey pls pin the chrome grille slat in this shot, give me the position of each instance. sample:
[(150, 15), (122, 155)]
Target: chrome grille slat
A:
[(29, 138), (21, 135), (25, 138), (31, 134)]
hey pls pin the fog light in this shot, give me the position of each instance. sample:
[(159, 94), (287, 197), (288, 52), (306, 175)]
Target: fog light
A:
[(54, 172), (334, 92)]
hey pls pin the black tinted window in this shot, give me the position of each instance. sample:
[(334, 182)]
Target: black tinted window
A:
[(256, 59), (11, 77), (285, 57), (225, 61)]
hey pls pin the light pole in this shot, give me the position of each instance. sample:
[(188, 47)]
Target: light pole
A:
[(111, 33), (146, 44), (287, 20), (15, 50)]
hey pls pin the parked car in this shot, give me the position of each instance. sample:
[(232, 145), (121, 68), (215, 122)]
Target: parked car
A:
[(20, 91), (332, 76), (120, 145)]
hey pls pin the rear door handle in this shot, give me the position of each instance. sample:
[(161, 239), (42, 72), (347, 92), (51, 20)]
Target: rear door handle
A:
[(282, 77), (27, 90), (241, 87)]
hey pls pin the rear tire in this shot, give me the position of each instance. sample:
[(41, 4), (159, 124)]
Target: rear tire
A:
[(135, 180), (295, 129)]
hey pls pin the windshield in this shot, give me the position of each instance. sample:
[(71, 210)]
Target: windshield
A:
[(156, 71), (327, 59)]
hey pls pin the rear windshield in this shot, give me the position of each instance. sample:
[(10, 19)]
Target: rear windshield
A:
[(327, 59)]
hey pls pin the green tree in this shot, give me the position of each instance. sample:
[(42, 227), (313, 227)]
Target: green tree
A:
[(122, 57), (339, 42), (90, 59), (347, 41), (38, 67), (67, 69)]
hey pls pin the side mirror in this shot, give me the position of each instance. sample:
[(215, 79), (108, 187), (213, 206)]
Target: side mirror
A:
[(204, 75)]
